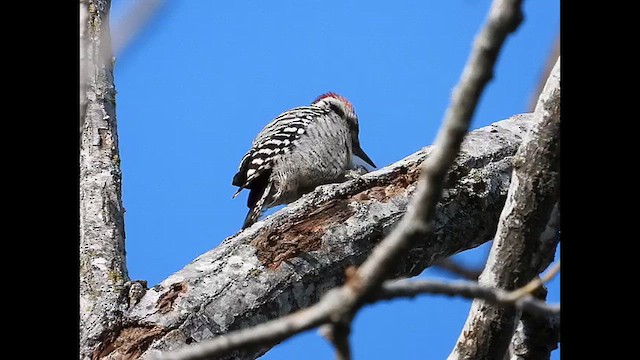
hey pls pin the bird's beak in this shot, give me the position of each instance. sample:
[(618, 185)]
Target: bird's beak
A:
[(357, 151)]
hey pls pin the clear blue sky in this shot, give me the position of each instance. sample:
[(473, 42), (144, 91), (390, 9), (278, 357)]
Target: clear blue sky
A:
[(205, 76)]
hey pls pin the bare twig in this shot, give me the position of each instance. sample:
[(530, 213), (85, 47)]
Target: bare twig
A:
[(469, 290), (338, 335), (137, 16), (536, 283), (524, 243), (454, 267), (551, 60), (339, 304)]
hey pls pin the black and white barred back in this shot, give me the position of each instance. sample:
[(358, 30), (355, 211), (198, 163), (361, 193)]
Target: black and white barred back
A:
[(298, 150)]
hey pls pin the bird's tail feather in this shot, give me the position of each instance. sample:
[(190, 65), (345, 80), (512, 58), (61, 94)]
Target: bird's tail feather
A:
[(256, 206)]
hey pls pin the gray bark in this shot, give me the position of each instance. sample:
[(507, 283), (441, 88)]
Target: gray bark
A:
[(103, 273), (525, 239), (84, 45), (535, 337), (287, 261)]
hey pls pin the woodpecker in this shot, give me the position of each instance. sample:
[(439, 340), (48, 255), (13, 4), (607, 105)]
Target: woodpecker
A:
[(297, 151)]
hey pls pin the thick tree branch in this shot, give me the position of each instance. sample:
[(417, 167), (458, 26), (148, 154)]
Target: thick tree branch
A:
[(337, 333), (535, 338), (524, 243), (103, 271)]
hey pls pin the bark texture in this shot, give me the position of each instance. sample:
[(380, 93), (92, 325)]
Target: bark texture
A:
[(84, 45), (535, 336), (103, 272), (525, 239), (287, 261)]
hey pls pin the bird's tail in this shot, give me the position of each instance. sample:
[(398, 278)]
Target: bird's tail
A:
[(256, 203)]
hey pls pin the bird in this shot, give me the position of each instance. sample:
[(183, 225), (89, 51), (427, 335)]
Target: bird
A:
[(298, 150)]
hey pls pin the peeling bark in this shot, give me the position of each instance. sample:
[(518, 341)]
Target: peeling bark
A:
[(525, 239), (129, 342), (291, 258), (103, 273)]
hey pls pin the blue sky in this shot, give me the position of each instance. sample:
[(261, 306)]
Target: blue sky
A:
[(205, 76)]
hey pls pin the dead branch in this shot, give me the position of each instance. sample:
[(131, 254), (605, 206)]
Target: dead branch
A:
[(524, 243), (103, 272)]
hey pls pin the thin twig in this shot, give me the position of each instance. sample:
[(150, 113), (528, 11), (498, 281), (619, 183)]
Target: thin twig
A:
[(536, 283), (454, 267), (138, 15), (551, 60), (417, 223), (338, 335), (466, 289)]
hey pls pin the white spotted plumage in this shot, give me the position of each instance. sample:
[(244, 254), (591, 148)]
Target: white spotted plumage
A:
[(298, 150)]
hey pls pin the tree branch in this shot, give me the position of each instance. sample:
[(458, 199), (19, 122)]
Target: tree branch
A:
[(337, 333), (138, 15), (103, 271), (548, 66), (454, 267), (519, 299), (535, 337), (524, 243)]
